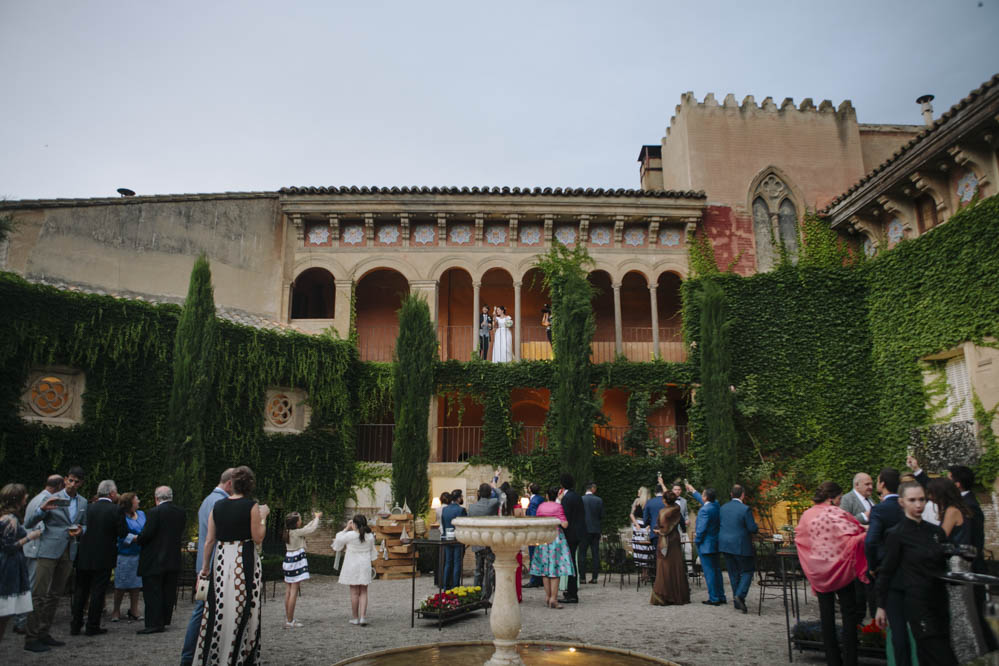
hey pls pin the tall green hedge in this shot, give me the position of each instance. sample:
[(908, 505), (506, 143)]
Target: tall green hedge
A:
[(125, 349)]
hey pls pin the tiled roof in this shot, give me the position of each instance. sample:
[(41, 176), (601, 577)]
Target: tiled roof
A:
[(233, 315), (529, 191), (919, 138)]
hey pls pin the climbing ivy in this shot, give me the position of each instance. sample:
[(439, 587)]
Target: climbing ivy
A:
[(125, 349)]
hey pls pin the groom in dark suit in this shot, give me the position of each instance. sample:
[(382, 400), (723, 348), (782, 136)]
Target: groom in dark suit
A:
[(734, 541), (159, 560), (885, 515)]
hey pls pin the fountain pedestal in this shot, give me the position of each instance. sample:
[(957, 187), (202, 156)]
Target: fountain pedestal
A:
[(505, 536)]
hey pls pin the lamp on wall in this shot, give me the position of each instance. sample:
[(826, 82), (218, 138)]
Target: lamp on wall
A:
[(524, 502)]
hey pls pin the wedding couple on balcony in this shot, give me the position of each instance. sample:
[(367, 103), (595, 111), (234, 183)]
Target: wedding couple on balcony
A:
[(503, 338)]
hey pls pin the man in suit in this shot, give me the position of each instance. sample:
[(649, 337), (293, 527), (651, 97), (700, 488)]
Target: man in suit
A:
[(485, 326), (487, 505), (736, 524), (650, 515), (885, 515), (96, 557), (159, 560), (220, 492), (858, 502), (532, 510), (706, 539), (575, 514), (593, 509), (56, 553)]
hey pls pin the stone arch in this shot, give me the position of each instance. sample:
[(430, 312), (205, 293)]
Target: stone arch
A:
[(456, 316), (378, 296), (491, 263), (385, 261), (670, 267), (631, 266), (445, 264), (313, 294), (306, 261)]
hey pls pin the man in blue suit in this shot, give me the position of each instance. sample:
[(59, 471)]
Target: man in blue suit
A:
[(651, 515), (884, 515), (734, 541), (706, 540)]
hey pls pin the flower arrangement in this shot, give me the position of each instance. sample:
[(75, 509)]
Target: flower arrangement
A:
[(452, 599), (871, 635)]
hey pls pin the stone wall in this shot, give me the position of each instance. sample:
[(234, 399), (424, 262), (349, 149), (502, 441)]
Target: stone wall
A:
[(731, 235)]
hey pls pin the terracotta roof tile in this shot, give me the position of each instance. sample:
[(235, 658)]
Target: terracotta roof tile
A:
[(915, 141), (513, 191)]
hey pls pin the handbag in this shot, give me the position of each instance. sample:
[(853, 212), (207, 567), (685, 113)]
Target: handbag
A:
[(201, 592)]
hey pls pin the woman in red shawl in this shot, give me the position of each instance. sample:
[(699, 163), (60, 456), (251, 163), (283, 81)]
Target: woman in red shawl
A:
[(831, 550)]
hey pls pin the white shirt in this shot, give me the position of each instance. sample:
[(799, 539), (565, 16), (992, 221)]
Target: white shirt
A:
[(866, 502)]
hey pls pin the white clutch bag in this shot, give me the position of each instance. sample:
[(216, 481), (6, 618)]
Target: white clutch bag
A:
[(201, 591)]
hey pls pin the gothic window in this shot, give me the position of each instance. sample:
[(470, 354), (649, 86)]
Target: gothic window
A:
[(775, 221)]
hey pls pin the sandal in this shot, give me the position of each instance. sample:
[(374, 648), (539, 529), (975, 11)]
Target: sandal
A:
[(133, 618)]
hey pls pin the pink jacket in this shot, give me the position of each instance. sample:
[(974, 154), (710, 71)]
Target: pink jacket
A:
[(830, 548), (551, 510)]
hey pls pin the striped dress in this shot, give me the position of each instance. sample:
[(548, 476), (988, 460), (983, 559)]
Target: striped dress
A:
[(296, 566)]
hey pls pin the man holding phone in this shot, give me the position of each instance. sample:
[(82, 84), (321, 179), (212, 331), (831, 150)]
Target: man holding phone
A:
[(64, 513)]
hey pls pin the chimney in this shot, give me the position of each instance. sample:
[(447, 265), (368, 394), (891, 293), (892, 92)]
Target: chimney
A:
[(924, 103)]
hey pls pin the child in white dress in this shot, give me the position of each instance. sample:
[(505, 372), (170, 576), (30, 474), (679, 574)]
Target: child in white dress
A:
[(359, 543)]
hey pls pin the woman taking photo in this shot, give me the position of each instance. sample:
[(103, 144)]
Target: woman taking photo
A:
[(830, 545), (230, 627), (15, 592), (913, 560), (295, 565), (126, 572), (671, 587), (357, 539), (552, 560)]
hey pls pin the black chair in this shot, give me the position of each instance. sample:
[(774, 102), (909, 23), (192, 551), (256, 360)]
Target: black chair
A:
[(617, 563)]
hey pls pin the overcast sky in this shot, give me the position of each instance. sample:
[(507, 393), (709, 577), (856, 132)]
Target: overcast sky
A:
[(216, 96)]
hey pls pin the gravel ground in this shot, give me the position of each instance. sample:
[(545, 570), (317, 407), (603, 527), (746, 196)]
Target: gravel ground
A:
[(690, 635)]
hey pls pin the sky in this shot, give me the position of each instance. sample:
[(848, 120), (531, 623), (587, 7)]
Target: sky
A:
[(180, 97)]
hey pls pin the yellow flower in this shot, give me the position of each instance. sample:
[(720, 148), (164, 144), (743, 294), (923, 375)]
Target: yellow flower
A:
[(477, 588)]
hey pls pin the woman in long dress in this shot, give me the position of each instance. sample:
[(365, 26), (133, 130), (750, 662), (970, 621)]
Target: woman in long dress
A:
[(503, 340), (230, 627), (671, 587)]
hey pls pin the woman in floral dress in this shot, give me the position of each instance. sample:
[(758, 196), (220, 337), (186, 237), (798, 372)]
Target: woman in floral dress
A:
[(552, 560)]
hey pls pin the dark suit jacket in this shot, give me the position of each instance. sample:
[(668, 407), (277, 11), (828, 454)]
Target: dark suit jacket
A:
[(99, 544), (650, 516), (736, 525), (886, 514), (977, 528), (708, 527), (594, 508), (161, 539), (572, 504)]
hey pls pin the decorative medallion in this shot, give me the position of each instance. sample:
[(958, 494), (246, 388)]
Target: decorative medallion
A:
[(565, 235), (870, 249), (460, 234), (280, 410), (388, 234), (773, 186), (600, 236), (496, 235), (424, 234), (50, 396), (634, 237), (669, 238), (319, 234), (530, 234), (895, 231), (967, 186), (353, 234)]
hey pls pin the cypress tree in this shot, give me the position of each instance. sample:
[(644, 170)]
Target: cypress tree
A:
[(194, 350), (573, 407), (716, 453), (415, 354)]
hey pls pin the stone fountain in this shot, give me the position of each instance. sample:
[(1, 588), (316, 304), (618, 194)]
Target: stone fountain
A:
[(506, 536)]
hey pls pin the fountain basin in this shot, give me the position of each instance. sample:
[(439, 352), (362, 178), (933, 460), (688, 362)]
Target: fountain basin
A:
[(532, 653)]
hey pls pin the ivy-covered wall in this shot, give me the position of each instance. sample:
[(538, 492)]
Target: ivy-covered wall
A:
[(125, 348), (826, 360)]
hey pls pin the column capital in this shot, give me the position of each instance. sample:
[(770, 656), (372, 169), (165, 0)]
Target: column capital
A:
[(477, 285), (616, 286), (343, 284), (517, 284), (653, 287)]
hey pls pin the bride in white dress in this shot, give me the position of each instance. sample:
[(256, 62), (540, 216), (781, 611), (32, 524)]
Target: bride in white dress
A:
[(503, 340)]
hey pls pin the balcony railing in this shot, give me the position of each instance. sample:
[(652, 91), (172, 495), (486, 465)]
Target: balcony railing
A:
[(374, 442), (377, 343)]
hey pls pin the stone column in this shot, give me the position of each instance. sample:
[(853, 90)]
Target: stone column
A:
[(618, 333), (341, 306), (428, 289), (476, 286), (654, 302), (516, 320)]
